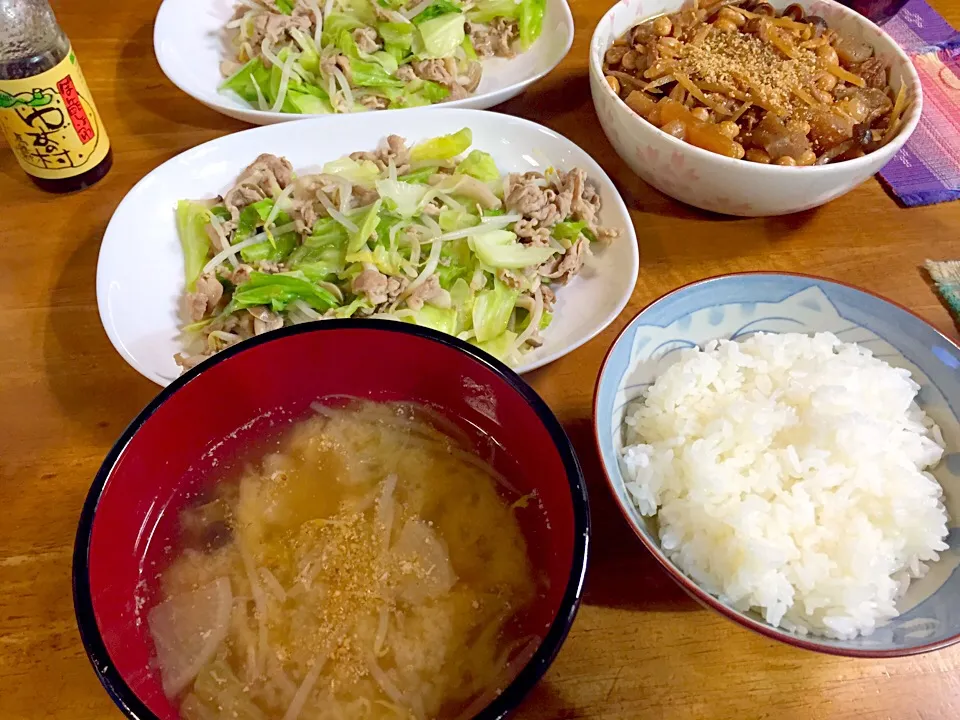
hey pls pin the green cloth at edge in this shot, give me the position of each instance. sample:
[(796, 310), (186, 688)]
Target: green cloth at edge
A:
[(947, 277)]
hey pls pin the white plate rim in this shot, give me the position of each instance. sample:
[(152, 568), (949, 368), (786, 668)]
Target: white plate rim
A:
[(114, 233), (226, 106)]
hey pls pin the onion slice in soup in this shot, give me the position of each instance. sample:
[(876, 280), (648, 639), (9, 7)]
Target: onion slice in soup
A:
[(187, 630)]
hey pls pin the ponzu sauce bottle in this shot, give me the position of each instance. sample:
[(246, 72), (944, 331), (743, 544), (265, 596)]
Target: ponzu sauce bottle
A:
[(46, 110)]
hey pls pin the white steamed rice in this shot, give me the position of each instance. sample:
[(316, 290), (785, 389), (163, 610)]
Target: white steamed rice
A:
[(788, 475)]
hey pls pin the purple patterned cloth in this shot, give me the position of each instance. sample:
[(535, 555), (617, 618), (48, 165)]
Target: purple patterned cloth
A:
[(918, 28), (927, 168)]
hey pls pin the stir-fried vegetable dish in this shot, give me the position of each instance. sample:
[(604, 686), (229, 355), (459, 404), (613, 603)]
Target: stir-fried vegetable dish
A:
[(335, 56), (433, 235), (734, 78)]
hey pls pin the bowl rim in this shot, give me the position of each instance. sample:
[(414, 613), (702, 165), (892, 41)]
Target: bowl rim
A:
[(501, 706), (689, 586), (262, 117), (910, 77)]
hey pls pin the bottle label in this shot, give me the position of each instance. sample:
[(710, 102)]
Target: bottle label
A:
[(51, 123)]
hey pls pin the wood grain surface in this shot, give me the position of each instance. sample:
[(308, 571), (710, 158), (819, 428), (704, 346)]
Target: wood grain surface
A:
[(640, 648)]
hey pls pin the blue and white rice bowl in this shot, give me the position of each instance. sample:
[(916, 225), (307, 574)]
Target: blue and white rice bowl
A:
[(736, 306)]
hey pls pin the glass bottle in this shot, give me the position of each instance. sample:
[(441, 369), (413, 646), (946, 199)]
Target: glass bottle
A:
[(46, 110), (877, 10)]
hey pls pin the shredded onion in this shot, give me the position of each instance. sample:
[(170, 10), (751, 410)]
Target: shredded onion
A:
[(506, 676), (261, 100), (230, 252), (382, 629), (240, 21), (503, 658), (318, 16), (328, 411), (502, 222), (281, 199), (306, 687), (260, 605), (384, 316), (500, 219), (302, 39), (297, 318), (445, 429), (393, 236), (225, 337), (328, 8), (222, 237), (385, 683), (414, 252), (273, 585), (394, 16), (284, 83), (428, 197), (432, 261), (336, 214), (247, 639), (332, 90), (420, 164), (534, 324), (386, 508), (267, 53), (449, 201), (346, 193), (308, 311), (472, 459), (281, 678), (431, 225), (322, 409), (364, 208), (332, 289), (426, 431), (262, 236), (525, 302), (411, 13), (344, 88)]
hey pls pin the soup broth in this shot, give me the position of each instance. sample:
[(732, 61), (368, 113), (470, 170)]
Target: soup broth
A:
[(370, 566)]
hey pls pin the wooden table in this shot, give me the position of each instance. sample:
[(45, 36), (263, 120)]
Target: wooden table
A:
[(640, 648)]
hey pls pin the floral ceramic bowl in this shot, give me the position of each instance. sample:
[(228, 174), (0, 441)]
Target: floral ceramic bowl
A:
[(734, 306), (737, 187)]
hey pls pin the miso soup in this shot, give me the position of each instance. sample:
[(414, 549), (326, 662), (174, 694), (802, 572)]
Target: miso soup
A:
[(369, 566)]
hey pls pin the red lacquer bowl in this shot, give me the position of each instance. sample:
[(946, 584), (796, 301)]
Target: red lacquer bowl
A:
[(249, 391)]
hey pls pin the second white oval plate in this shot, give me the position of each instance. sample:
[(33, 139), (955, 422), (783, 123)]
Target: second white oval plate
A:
[(140, 269), (187, 42)]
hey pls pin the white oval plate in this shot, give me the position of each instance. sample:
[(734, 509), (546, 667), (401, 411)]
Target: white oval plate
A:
[(187, 42), (140, 269)]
